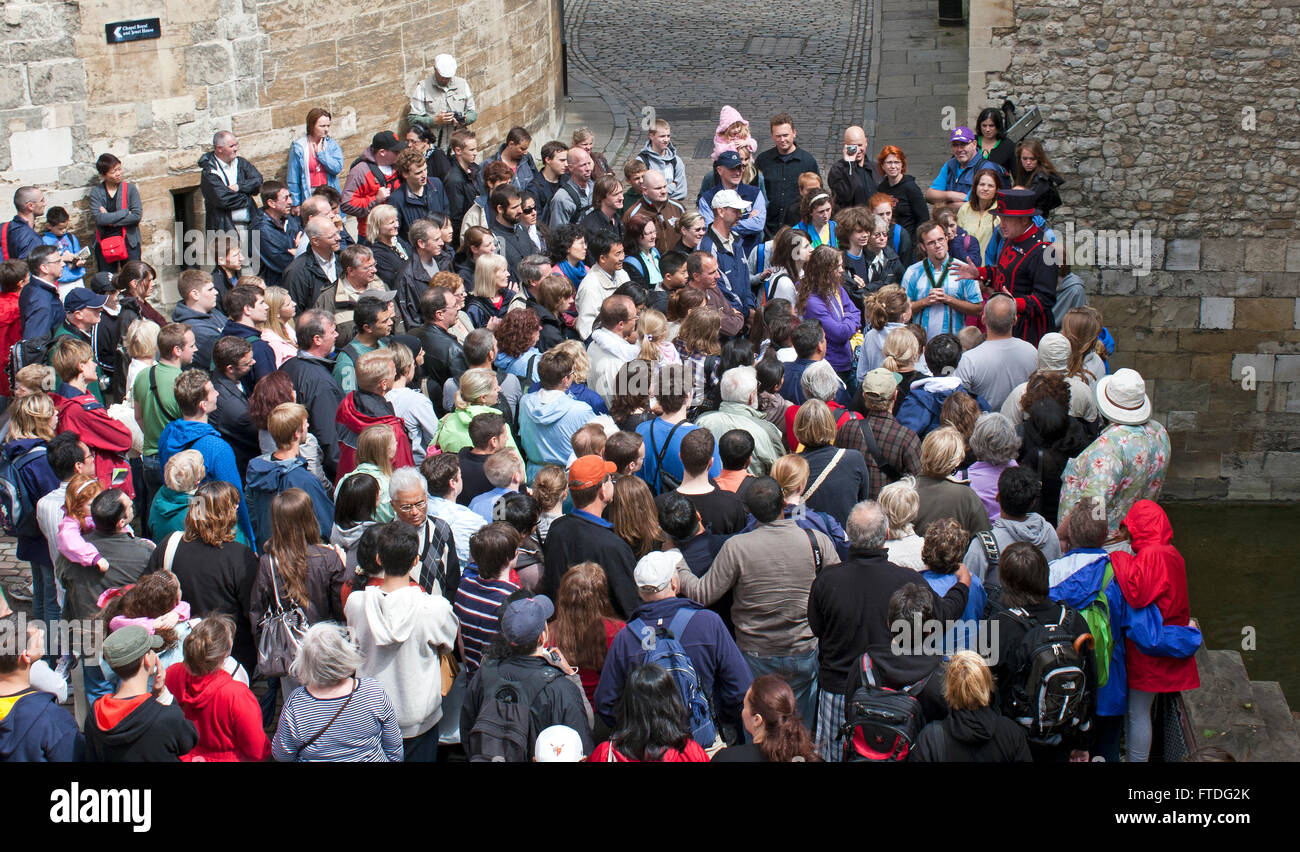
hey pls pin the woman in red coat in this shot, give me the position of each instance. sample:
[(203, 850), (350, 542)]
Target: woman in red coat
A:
[(224, 710), (1153, 573)]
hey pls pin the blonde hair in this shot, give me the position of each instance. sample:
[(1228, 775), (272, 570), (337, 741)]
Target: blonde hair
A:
[(403, 359), (184, 471), (474, 385), (275, 299), (901, 350), (581, 363), (31, 417), (901, 504), (68, 354), (372, 369), (942, 451), (814, 425), (886, 305), (550, 484), (284, 422), (376, 445), (687, 220), (485, 274), (35, 378), (968, 682), (379, 215), (252, 281), (791, 473), (654, 330), (141, 339)]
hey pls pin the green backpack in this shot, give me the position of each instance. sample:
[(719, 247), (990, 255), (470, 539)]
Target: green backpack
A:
[(1097, 614)]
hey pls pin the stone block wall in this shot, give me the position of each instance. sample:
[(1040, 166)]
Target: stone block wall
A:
[(251, 66), (1177, 121)]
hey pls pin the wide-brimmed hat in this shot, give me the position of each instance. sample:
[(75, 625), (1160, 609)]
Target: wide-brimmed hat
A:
[(1123, 399)]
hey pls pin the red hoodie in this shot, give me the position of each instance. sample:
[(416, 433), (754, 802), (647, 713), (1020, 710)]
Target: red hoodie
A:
[(108, 439), (11, 331), (1155, 573), (352, 422), (224, 711)]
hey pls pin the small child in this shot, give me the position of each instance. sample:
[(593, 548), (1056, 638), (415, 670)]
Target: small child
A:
[(970, 337), (82, 490), (657, 339), (550, 487), (59, 236)]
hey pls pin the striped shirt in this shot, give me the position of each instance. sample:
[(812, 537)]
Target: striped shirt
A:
[(477, 602), (366, 732)]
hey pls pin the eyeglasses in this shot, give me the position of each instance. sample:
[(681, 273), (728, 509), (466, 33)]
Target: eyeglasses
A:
[(408, 508), (527, 210)]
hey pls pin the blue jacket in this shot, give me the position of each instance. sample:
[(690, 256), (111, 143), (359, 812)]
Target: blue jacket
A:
[(21, 239), (965, 635), (34, 729), (545, 427), (724, 675), (263, 355), (299, 179), (524, 175), (734, 282), (409, 209), (581, 393), (518, 366), (268, 476), (954, 177), (792, 383), (1144, 626), (655, 433), (813, 238), (38, 479), (920, 409), (748, 230), (218, 458), (68, 242), (275, 252), (40, 309)]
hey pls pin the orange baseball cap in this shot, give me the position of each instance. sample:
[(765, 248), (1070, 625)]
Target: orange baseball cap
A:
[(589, 471)]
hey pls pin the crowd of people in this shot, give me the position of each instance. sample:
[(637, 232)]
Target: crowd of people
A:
[(552, 462)]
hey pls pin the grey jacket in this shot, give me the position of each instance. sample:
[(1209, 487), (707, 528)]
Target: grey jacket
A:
[(109, 223)]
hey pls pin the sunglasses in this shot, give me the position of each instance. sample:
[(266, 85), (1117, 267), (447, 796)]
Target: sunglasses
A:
[(528, 209)]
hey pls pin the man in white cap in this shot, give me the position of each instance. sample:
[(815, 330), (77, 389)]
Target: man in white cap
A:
[(720, 670), (750, 224), (725, 241), (442, 101), (1054, 357), (1127, 462)]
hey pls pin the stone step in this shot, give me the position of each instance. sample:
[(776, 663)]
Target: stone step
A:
[(1283, 743), (1250, 720)]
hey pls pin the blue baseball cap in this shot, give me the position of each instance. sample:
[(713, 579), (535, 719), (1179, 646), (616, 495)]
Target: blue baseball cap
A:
[(83, 297), (728, 160), (523, 620)]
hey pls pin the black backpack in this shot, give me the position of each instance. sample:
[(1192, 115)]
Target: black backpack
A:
[(502, 731), (1048, 685), (24, 353), (881, 725)]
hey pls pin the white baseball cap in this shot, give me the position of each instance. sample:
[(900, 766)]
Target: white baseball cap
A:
[(729, 198), (445, 65), (558, 744)]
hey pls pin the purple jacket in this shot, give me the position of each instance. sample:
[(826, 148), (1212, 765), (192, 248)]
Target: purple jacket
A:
[(840, 325)]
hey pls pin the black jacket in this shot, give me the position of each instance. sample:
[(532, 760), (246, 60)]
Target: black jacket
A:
[(231, 420), (313, 381), (554, 331), (462, 190), (151, 733), (851, 184), (388, 263), (410, 208), (443, 359), (911, 209), (781, 178), (513, 243), (304, 279), (216, 580), (972, 736), (848, 611), (220, 201), (543, 190), (559, 703), (412, 282), (573, 539), (846, 486)]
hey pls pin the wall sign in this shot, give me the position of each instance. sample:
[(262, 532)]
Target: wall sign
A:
[(124, 31)]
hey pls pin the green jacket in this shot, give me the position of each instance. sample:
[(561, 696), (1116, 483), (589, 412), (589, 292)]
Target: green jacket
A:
[(95, 388), (453, 431), (768, 446), (385, 512)]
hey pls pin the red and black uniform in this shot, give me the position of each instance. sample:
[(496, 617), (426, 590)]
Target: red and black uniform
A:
[(1023, 273)]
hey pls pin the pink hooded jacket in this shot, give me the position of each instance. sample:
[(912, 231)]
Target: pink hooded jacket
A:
[(721, 143)]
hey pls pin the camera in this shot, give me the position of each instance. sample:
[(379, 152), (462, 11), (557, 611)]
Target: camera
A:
[(459, 116), (851, 149)]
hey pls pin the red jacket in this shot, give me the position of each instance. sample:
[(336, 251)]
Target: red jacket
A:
[(11, 331), (351, 423), (1155, 573), (693, 754), (109, 440), (225, 713), (842, 416), (361, 189)]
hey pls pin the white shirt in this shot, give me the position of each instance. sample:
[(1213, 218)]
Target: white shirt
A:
[(594, 289), (327, 266), (230, 175), (607, 353), (463, 520), (49, 511)]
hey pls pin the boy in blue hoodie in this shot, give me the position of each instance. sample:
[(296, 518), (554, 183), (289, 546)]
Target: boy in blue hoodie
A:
[(272, 473), (197, 397), (58, 235), (1080, 578), (33, 728)]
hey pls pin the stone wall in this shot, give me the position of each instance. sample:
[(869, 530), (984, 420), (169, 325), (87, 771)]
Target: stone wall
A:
[(1176, 121), (252, 66)]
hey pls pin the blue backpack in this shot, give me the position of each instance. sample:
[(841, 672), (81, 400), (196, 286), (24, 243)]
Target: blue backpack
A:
[(17, 506), (664, 648)]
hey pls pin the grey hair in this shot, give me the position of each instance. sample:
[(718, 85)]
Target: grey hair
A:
[(819, 381), (1000, 313), (994, 440), (534, 268), (879, 223), (901, 505), (867, 526), (405, 479), (222, 137), (327, 656), (317, 226), (739, 384)]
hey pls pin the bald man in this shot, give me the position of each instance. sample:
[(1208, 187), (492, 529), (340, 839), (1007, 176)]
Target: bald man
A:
[(572, 200), (852, 178)]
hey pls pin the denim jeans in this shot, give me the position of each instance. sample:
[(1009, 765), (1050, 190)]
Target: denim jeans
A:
[(422, 749), (800, 671), (152, 481), (96, 683), (45, 607)]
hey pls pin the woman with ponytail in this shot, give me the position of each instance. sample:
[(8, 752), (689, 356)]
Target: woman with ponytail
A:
[(772, 719), (901, 352), (887, 309)]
